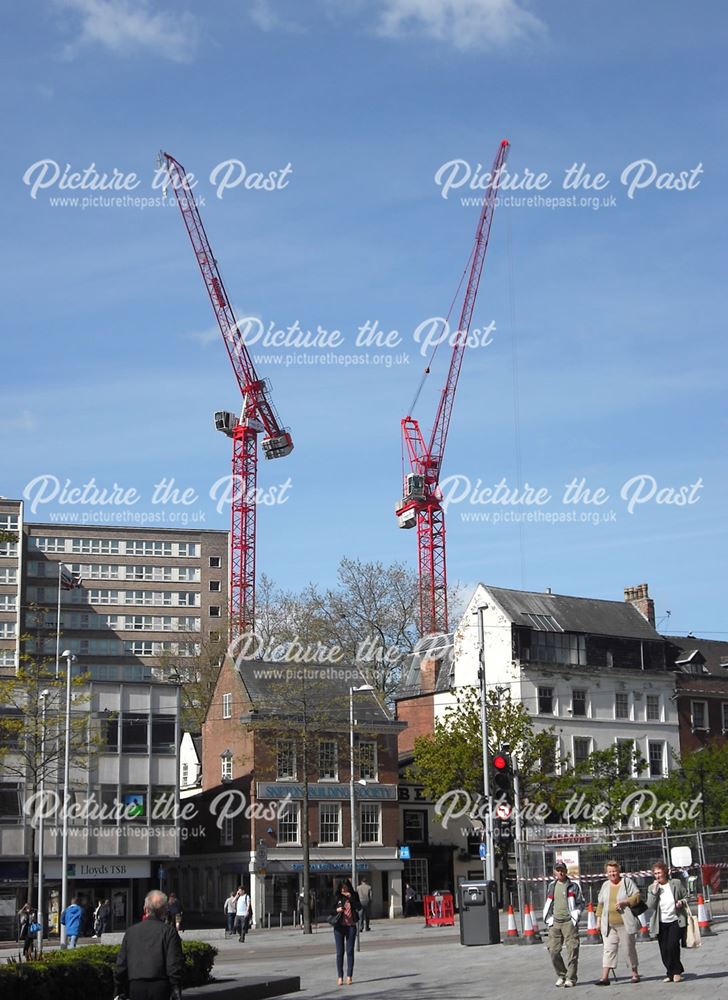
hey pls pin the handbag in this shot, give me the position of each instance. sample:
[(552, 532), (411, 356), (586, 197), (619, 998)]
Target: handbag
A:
[(334, 919), (639, 908), (34, 928), (692, 935)]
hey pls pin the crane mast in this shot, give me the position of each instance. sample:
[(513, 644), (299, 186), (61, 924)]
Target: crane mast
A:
[(257, 416), (421, 506)]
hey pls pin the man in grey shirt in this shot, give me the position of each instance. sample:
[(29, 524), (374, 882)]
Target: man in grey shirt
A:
[(364, 891), (564, 903)]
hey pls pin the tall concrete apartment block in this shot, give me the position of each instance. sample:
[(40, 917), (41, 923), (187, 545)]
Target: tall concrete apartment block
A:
[(11, 576), (148, 597)]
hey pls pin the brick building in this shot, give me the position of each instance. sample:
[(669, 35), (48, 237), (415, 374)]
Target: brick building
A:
[(701, 687), (265, 764)]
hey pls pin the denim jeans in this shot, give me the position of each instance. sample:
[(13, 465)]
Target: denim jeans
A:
[(345, 936), (230, 922), (71, 940)]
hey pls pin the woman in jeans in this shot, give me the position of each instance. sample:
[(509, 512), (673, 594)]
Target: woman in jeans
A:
[(347, 905)]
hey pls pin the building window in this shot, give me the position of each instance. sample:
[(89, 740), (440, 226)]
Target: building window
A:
[(227, 706), (185, 775), (699, 715), (226, 832), (621, 705), (214, 636), (188, 549), (415, 873), (329, 823), (414, 822), (288, 824), (286, 760), (328, 760), (134, 805), (214, 611), (215, 586), (652, 708), (558, 647), (548, 756), (215, 562), (656, 758), (226, 767), (110, 734), (163, 734), (368, 760), (578, 702), (545, 701), (582, 749), (134, 733), (9, 803), (369, 825)]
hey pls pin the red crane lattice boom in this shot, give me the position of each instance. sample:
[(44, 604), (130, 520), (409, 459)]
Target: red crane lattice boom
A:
[(421, 506), (257, 416)]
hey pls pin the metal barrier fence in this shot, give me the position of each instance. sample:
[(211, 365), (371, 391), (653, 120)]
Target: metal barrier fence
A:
[(636, 851)]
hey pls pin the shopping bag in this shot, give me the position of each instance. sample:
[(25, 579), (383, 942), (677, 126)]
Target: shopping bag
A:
[(692, 937)]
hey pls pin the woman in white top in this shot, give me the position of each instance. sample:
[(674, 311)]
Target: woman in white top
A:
[(666, 902)]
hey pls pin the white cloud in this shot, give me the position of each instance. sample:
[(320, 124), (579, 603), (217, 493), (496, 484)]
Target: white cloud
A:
[(24, 421), (465, 24), (126, 27), (263, 16)]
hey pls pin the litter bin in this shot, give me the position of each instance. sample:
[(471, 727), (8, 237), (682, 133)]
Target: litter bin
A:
[(479, 922)]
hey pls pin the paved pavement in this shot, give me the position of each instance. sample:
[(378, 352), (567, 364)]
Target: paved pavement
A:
[(407, 961)]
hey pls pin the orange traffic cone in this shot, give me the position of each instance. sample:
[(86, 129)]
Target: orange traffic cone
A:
[(592, 931), (528, 935), (644, 934), (512, 932), (534, 924), (703, 919)]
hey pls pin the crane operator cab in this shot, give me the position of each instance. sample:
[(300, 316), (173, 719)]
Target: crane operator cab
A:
[(414, 490)]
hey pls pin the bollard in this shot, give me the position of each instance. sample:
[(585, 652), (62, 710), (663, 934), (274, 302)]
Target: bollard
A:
[(280, 920)]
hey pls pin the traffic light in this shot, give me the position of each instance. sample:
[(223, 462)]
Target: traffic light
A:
[(502, 777)]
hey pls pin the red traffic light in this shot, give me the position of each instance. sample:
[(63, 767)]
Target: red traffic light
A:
[(499, 762)]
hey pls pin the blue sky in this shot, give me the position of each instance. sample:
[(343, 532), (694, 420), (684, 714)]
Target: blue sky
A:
[(607, 360)]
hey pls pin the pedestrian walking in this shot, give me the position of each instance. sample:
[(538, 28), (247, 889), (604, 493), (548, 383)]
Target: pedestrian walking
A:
[(72, 919), (229, 909), (26, 921), (242, 914), (666, 904), (174, 911), (617, 923), (102, 914), (150, 963), (409, 900), (564, 903), (364, 892), (344, 920)]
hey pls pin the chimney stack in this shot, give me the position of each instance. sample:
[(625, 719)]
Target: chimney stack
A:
[(640, 598), (429, 669)]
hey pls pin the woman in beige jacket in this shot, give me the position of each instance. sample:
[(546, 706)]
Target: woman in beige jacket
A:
[(617, 923)]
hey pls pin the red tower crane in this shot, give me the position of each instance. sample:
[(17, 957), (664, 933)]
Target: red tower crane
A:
[(257, 416), (421, 506)]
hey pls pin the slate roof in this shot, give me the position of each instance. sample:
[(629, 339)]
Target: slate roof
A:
[(324, 684), (574, 614), (711, 652), (431, 647)]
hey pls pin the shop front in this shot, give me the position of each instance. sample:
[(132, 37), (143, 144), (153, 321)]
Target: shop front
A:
[(123, 883)]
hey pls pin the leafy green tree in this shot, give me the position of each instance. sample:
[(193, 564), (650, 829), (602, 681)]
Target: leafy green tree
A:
[(592, 793), (451, 757), (702, 773)]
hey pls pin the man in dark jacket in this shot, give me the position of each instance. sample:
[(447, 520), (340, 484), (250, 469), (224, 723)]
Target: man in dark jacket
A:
[(150, 963)]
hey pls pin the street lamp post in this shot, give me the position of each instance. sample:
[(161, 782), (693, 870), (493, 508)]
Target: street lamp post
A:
[(352, 794), (41, 822), (69, 658), (489, 865)]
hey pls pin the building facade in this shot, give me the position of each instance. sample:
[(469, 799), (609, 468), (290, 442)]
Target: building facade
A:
[(249, 761), (146, 599), (11, 576), (124, 825), (700, 669)]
